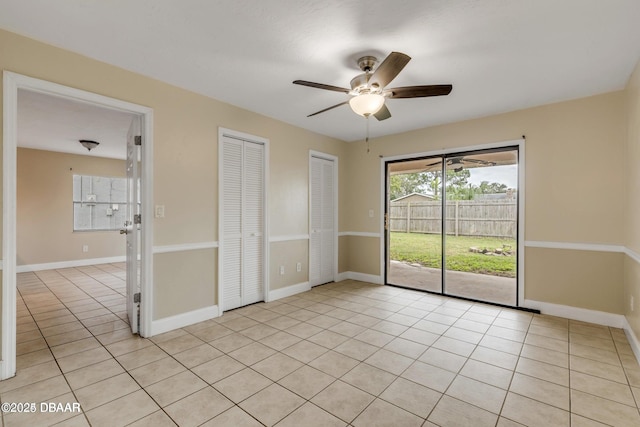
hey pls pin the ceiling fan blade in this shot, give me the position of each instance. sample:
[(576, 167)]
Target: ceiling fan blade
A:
[(389, 69), (383, 113), (479, 162), (419, 91), (321, 86), (329, 108)]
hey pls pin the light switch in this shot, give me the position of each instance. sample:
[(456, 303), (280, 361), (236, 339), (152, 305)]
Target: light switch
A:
[(370, 213)]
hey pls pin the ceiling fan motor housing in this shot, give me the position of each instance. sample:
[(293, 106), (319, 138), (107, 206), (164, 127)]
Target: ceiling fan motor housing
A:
[(360, 83), (366, 63)]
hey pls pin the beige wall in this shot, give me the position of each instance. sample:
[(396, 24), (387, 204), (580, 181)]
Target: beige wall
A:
[(632, 209), (185, 164), (45, 211), (574, 189), (585, 279), (188, 281), (363, 255), (288, 254)]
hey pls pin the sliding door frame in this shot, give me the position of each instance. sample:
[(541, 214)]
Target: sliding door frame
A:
[(519, 144)]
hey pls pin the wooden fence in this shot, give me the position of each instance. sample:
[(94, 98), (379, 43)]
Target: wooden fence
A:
[(464, 217)]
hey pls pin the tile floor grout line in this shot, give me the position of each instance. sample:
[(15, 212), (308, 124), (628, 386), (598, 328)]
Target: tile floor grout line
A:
[(513, 374), (88, 330), (81, 290), (120, 364), (375, 397), (54, 357), (102, 283), (74, 315)]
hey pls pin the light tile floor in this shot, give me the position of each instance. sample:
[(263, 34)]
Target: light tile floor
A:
[(348, 353)]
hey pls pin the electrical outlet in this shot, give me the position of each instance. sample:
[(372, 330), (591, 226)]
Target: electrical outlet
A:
[(282, 270), (159, 211), (299, 267), (85, 248), (370, 213)]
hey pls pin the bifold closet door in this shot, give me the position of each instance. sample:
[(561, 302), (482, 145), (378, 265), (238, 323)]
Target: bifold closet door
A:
[(322, 226), (253, 224), (243, 223)]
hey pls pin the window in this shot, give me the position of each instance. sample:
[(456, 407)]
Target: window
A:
[(99, 203)]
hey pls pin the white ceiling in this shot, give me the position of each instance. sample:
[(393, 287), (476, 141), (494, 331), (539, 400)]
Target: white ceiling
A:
[(57, 124), (500, 55)]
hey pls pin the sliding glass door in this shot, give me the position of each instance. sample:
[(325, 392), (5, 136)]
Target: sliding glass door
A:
[(472, 253), (414, 223)]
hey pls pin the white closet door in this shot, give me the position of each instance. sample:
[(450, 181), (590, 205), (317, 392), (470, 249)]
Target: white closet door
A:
[(232, 174), (322, 227), (315, 222), (326, 268), (242, 222), (253, 224)]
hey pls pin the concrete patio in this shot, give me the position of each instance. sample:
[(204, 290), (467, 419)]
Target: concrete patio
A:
[(481, 287)]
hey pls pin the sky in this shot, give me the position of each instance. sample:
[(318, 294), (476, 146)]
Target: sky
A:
[(507, 175)]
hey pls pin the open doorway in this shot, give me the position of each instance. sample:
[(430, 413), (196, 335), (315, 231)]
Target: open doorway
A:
[(51, 231), (452, 224)]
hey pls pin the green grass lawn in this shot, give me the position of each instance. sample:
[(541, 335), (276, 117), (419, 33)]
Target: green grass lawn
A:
[(425, 249)]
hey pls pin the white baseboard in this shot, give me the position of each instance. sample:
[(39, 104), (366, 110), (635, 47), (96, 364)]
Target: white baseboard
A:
[(577, 313), (288, 238), (68, 264), (358, 234), (362, 277), (167, 324), (633, 339), (288, 291), (3, 374)]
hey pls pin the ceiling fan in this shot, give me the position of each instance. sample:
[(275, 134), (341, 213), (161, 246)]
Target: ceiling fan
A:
[(458, 163), (368, 90)]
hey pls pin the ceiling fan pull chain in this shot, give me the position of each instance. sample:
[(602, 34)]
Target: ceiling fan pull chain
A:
[(367, 137)]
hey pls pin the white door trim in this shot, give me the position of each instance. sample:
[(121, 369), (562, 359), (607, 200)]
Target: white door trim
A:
[(334, 159), (222, 132), (11, 83), (520, 143)]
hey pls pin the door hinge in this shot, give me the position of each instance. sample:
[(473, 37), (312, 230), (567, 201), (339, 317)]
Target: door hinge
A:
[(138, 140), (136, 297), (137, 219)]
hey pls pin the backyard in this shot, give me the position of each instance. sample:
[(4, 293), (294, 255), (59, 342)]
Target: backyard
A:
[(425, 250)]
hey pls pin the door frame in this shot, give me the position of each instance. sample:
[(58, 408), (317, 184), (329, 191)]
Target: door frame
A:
[(222, 132), (334, 159), (520, 143), (12, 82)]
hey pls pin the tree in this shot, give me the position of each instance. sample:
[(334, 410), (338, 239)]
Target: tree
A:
[(487, 187), (457, 185), (407, 183), (417, 182)]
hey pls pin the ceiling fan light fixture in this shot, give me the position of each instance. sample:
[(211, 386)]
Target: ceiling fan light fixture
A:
[(366, 104), (88, 144)]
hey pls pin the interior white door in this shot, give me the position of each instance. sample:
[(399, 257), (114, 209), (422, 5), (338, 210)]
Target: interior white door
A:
[(322, 221), (242, 245), (253, 223), (132, 224)]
